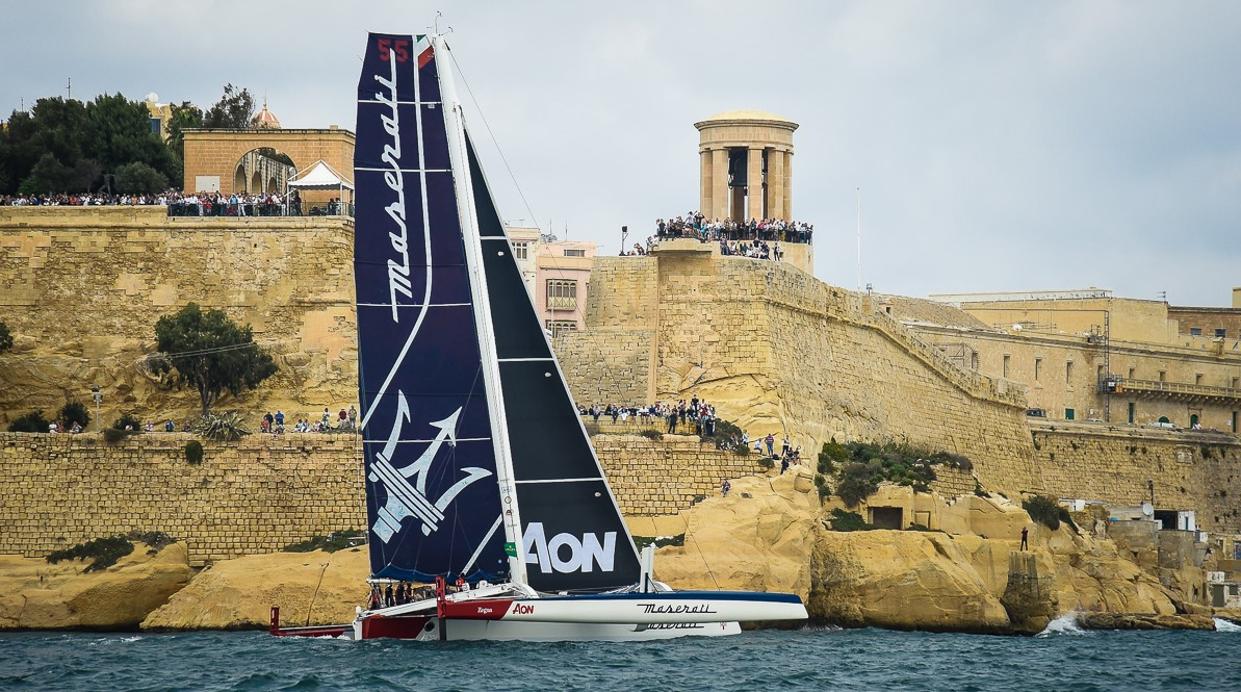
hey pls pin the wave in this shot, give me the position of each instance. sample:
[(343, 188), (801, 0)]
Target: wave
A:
[(1065, 624), (1222, 625)]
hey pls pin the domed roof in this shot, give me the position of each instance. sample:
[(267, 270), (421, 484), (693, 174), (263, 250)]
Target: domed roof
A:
[(747, 115), (265, 119)]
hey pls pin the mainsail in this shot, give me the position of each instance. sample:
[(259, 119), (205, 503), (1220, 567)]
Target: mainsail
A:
[(433, 505), (464, 402), (574, 536)]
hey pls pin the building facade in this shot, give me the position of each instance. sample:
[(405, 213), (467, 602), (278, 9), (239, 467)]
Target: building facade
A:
[(1090, 356), (561, 284)]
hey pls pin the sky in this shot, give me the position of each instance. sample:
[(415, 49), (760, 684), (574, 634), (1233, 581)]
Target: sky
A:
[(998, 145)]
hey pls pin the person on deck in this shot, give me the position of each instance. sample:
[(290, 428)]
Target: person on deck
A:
[(389, 598)]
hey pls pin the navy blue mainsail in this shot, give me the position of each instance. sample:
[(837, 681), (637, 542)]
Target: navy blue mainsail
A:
[(433, 505)]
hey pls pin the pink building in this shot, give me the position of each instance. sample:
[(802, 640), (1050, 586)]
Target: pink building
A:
[(562, 278)]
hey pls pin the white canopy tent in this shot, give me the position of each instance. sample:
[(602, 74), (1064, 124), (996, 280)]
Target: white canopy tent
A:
[(320, 176)]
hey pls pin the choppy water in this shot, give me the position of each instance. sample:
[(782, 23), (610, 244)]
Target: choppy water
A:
[(810, 659)]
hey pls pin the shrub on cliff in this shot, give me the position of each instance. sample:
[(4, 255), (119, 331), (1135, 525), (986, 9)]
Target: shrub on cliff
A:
[(651, 434), (859, 481), (208, 351), (194, 452), (1046, 511), (6, 338), (104, 552), (32, 422), (843, 520), (224, 427), (74, 412), (337, 540)]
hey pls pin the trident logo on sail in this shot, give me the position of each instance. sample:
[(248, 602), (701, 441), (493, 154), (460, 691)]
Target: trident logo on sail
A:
[(406, 499)]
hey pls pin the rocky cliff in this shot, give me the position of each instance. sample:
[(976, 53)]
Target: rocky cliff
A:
[(35, 594), (771, 533)]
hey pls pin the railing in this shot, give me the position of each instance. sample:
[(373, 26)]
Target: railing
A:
[(561, 303), (259, 209), (1117, 385)]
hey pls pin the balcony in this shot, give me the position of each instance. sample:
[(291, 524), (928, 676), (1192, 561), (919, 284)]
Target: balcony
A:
[(561, 302), (1170, 390)]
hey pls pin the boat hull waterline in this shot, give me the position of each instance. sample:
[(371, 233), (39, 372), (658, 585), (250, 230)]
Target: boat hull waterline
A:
[(603, 617)]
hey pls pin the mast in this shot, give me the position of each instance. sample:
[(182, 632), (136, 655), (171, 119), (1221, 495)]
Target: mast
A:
[(455, 128)]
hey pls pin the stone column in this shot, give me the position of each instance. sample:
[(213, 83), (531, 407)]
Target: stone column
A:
[(754, 183), (719, 185), (788, 185), (775, 185), (704, 182)]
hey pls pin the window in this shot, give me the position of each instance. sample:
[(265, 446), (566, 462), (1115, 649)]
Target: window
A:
[(974, 360), (1234, 421), (1131, 372), (574, 253), (1197, 378), (1221, 333), (1195, 331), (1099, 373), (1133, 412), (1007, 359), (1163, 375), (561, 294), (1069, 414), (521, 250), (1068, 372), (1038, 368), (1236, 383), (558, 327), (157, 125)]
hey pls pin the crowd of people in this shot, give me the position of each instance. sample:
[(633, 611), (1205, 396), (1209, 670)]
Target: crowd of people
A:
[(695, 225), (188, 204), (345, 421), (695, 413)]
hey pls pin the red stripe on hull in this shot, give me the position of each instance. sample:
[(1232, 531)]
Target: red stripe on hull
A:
[(400, 627), (482, 609)]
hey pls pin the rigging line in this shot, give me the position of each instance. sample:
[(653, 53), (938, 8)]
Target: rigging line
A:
[(483, 117), (704, 558)]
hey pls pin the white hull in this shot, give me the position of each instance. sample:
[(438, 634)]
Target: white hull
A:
[(503, 630)]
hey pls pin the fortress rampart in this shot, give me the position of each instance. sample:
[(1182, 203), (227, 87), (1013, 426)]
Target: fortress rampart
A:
[(264, 492), (778, 351)]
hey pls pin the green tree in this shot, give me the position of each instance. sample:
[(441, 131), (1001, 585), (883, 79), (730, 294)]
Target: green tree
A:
[(139, 178), (233, 111), (118, 132), (6, 337), (184, 116), (48, 175), (74, 412), (207, 350)]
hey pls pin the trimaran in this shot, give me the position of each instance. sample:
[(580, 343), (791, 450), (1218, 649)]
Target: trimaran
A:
[(478, 468)]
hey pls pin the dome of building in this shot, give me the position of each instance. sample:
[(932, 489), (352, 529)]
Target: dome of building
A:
[(265, 119)]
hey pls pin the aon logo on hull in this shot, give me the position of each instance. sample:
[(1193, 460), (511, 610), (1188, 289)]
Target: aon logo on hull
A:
[(566, 553)]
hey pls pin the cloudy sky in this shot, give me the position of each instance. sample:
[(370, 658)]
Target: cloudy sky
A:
[(998, 145)]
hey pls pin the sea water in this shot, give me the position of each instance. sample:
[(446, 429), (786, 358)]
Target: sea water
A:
[(812, 658)]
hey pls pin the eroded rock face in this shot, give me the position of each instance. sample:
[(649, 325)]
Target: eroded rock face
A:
[(37, 595), (900, 579), (758, 538), (314, 588)]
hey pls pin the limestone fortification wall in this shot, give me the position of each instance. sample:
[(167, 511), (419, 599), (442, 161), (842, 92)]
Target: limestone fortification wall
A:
[(659, 477), (778, 351), (83, 288), (256, 495), (265, 492), (1190, 471)]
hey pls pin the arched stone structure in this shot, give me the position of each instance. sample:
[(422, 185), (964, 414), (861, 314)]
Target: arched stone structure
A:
[(746, 165), (211, 156)]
